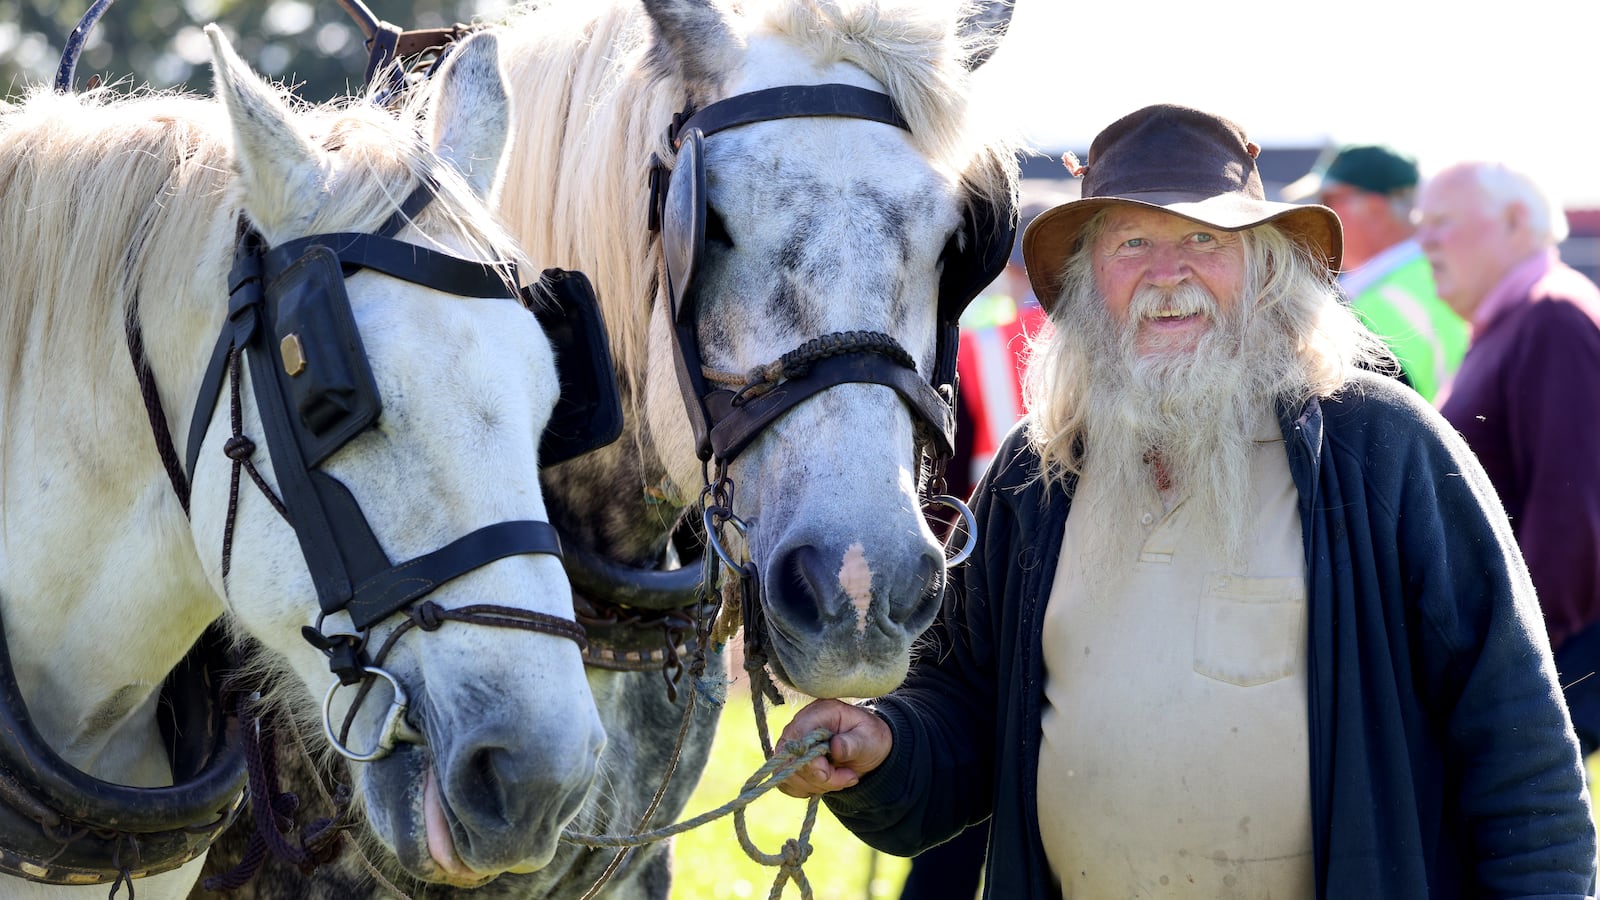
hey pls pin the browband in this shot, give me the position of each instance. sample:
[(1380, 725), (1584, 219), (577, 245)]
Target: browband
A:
[(794, 101)]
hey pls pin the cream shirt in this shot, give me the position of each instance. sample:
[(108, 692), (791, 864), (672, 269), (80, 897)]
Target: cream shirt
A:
[(1174, 759)]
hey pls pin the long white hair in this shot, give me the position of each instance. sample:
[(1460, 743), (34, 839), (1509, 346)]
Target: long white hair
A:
[(1299, 339)]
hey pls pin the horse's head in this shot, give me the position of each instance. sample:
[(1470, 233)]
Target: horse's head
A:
[(854, 229), (496, 746)]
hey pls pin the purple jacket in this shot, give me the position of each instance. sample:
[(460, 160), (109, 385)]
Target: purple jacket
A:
[(1527, 400)]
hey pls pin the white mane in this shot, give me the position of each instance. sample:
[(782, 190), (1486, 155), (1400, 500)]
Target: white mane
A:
[(107, 196), (603, 106)]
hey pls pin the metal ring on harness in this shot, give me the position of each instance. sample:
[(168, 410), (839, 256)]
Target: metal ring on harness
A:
[(713, 539), (393, 730), (968, 520)]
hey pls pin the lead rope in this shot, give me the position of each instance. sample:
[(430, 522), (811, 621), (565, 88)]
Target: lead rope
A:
[(797, 850), (151, 394), (650, 808), (717, 501), (342, 805), (697, 670), (240, 449), (123, 873), (791, 758)]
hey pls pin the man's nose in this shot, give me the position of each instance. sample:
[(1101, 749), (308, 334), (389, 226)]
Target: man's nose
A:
[(1168, 268)]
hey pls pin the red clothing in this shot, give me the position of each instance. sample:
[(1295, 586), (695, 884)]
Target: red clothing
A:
[(990, 362), (1527, 400)]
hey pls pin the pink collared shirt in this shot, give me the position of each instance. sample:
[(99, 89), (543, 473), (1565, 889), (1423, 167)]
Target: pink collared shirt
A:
[(1514, 286)]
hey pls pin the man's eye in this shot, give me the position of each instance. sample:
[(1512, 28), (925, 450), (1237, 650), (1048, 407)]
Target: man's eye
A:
[(1133, 242), (1201, 237)]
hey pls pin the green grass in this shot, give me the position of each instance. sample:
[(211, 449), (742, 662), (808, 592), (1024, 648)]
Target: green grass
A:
[(709, 864)]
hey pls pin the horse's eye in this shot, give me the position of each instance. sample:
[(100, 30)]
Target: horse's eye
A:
[(716, 230)]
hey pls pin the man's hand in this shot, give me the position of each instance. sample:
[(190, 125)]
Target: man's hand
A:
[(860, 743)]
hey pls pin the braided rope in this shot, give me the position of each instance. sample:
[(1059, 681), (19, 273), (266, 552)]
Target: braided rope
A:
[(791, 757), (153, 410), (653, 805), (798, 362)]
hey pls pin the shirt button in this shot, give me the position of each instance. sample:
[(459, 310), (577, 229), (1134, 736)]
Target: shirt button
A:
[(1146, 519)]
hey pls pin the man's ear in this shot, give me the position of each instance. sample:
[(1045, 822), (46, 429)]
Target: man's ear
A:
[(1518, 222)]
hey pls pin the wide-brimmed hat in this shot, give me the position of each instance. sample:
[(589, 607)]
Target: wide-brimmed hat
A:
[(1182, 161)]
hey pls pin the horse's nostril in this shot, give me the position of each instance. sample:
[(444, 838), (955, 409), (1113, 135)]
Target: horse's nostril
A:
[(481, 781), (795, 590), (918, 614)]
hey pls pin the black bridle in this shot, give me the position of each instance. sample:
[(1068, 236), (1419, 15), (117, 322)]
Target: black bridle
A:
[(289, 318), (725, 421)]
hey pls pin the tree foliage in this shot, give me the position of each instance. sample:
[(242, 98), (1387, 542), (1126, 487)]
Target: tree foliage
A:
[(311, 44)]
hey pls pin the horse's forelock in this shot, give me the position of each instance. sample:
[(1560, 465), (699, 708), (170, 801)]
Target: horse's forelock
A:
[(916, 51), (379, 157)]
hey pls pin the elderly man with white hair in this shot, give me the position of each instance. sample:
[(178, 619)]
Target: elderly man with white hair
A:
[(1245, 620), (1527, 395)]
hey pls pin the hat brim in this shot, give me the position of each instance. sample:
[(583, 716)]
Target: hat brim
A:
[(1052, 237)]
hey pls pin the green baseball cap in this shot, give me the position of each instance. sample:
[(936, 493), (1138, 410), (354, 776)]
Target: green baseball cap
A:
[(1374, 168)]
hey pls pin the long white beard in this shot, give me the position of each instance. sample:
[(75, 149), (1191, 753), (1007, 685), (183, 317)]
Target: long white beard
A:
[(1196, 411)]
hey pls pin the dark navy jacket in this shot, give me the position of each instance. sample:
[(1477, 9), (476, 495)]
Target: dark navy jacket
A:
[(1443, 763)]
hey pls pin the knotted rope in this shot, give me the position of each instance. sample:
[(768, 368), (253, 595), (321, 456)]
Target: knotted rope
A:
[(274, 809), (797, 362), (791, 757)]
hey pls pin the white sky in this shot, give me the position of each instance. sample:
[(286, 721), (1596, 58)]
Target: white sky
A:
[(1442, 79)]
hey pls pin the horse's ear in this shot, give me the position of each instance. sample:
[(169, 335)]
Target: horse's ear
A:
[(693, 40), (470, 113), (281, 168), (982, 28)]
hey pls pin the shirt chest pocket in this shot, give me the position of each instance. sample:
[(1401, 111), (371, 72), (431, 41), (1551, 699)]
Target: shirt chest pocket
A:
[(1250, 631)]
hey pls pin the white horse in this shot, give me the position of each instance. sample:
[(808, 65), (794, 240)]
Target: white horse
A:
[(815, 226), (118, 219)]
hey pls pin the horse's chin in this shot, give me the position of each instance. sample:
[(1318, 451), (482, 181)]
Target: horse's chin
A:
[(406, 814), (823, 675)]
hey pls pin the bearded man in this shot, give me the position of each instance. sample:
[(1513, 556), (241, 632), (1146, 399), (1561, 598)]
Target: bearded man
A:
[(1244, 620)]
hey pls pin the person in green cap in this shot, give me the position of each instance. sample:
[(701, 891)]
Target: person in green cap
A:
[(1390, 287)]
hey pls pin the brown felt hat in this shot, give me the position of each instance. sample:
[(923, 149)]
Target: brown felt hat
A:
[(1183, 161)]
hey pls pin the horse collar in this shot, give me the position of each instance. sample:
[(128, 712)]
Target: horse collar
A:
[(59, 825)]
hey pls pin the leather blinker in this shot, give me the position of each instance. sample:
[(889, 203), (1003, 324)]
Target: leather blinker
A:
[(588, 414), (332, 389)]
